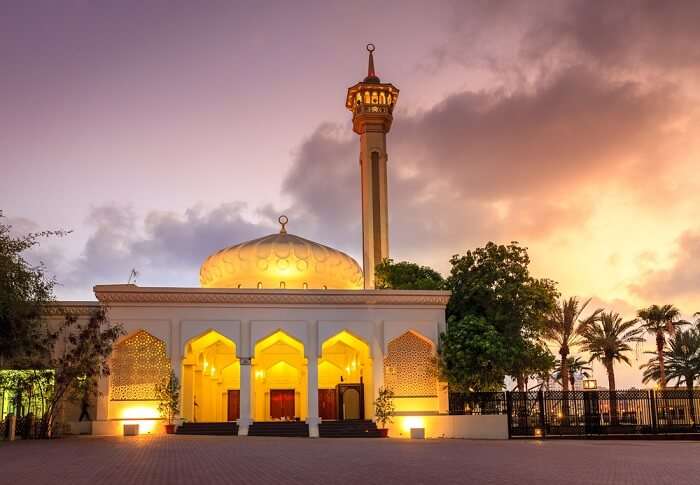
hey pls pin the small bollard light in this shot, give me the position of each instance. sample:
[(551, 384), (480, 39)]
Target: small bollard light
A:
[(538, 433)]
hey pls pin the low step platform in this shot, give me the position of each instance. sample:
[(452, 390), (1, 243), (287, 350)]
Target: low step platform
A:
[(348, 429), (279, 428), (217, 429)]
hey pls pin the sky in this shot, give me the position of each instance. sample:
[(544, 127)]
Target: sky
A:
[(161, 132)]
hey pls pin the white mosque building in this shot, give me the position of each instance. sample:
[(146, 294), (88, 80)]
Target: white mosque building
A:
[(283, 331)]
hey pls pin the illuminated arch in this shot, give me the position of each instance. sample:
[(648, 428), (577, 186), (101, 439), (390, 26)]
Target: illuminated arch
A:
[(210, 372), (278, 336)]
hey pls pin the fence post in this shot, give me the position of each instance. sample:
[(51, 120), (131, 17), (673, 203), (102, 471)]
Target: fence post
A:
[(540, 403), (509, 412), (654, 411)]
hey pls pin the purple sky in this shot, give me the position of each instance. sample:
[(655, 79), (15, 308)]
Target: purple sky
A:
[(161, 133)]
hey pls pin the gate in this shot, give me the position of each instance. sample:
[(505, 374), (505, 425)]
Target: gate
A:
[(588, 413)]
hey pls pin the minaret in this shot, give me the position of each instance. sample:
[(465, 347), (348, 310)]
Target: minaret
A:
[(372, 104)]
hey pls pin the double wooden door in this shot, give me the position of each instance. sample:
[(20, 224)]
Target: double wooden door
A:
[(282, 404)]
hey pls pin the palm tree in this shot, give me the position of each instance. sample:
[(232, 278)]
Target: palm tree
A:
[(563, 326), (682, 361), (576, 365), (659, 321), (608, 340)]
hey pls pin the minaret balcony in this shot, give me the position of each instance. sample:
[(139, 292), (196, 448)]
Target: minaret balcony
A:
[(373, 108)]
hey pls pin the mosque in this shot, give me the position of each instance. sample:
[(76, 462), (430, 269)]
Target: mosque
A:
[(283, 331)]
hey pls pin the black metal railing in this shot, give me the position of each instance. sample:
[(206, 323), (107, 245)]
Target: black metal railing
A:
[(587, 413), (478, 403)]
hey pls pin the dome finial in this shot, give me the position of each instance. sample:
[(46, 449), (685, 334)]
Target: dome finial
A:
[(371, 75), (283, 220)]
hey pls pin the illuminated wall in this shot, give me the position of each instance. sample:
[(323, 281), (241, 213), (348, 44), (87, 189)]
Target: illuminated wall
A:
[(279, 363), (138, 364), (410, 370)]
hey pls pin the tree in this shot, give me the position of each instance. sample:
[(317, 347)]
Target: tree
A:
[(659, 321), (25, 291), (682, 362), (168, 393), (563, 326), (530, 360), (608, 340), (472, 355), (407, 276), (87, 347), (576, 365), (384, 406), (493, 283)]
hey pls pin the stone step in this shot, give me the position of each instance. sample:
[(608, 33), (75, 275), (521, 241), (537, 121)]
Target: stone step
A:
[(348, 429), (224, 428), (281, 428)]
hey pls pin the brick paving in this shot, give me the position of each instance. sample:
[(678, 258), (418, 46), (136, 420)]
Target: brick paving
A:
[(196, 460)]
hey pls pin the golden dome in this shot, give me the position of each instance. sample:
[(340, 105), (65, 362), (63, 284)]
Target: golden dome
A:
[(281, 261)]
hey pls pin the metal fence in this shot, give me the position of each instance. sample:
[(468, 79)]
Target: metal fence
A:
[(587, 413)]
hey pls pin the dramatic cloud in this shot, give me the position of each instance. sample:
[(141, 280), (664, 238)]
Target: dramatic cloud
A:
[(165, 248), (625, 33), (681, 280), (488, 165)]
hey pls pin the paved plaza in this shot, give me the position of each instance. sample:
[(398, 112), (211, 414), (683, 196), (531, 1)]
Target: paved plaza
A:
[(219, 460)]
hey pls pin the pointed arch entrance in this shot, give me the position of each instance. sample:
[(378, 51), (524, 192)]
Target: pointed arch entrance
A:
[(344, 374), (279, 370), (211, 379)]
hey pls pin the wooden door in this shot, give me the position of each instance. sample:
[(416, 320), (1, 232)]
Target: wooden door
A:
[(234, 405), (327, 404), (282, 403), (351, 401)]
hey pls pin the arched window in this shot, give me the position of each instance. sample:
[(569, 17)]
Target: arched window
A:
[(375, 98), (139, 363), (367, 97), (409, 368), (382, 98)]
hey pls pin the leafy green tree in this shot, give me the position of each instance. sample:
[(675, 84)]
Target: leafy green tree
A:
[(85, 352), (384, 406), (609, 339), (168, 393), (530, 359), (659, 321), (25, 291), (407, 276), (493, 283), (472, 355), (563, 327)]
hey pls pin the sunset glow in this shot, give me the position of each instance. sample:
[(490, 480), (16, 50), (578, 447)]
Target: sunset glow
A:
[(160, 135)]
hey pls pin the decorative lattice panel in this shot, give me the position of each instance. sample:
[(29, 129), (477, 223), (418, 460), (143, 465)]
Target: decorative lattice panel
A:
[(139, 363), (409, 367)]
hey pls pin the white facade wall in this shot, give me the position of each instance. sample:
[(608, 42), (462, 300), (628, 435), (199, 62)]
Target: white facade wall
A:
[(178, 315)]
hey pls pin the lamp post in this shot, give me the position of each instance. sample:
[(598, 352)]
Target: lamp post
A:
[(590, 385)]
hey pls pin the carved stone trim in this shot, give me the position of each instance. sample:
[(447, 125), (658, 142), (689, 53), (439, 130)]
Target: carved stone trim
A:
[(76, 308), (134, 294)]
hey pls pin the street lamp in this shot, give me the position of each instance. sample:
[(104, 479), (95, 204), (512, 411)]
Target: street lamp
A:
[(590, 384)]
